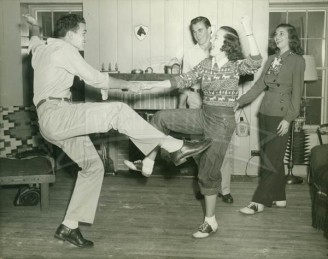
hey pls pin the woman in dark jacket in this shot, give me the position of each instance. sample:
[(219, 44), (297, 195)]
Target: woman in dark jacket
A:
[(282, 80)]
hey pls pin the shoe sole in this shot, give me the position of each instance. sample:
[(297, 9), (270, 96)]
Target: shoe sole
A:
[(184, 159), (255, 212), (209, 234), (59, 237), (279, 207), (64, 239), (131, 166), (274, 204)]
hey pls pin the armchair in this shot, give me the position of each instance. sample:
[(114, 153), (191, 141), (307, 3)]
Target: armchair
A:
[(318, 180)]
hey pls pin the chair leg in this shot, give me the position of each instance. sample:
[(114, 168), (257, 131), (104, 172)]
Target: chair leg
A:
[(44, 196)]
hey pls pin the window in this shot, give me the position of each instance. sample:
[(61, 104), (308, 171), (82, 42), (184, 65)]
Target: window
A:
[(310, 23), (47, 15)]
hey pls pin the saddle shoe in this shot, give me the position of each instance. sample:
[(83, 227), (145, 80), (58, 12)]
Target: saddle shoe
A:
[(279, 204), (205, 230), (252, 208), (138, 166)]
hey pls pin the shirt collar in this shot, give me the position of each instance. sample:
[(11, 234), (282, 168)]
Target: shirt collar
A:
[(285, 54), (219, 63)]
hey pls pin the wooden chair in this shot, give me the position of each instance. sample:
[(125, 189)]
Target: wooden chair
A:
[(35, 171), (24, 155)]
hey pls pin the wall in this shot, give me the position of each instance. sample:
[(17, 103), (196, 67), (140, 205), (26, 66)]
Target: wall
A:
[(1, 49), (111, 38), (168, 22), (297, 1), (10, 68)]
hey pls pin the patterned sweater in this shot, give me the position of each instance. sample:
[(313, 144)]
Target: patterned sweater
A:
[(219, 85)]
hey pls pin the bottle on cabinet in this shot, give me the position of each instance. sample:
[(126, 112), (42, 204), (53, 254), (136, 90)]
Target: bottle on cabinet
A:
[(242, 128), (109, 68)]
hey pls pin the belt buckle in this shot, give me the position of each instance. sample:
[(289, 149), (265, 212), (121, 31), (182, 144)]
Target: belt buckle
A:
[(63, 100)]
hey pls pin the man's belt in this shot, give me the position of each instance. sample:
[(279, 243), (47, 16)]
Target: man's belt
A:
[(194, 90), (51, 98)]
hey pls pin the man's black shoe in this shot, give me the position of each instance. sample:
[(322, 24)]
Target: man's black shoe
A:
[(73, 236), (226, 198), (189, 149)]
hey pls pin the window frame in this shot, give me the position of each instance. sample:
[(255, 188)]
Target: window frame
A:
[(306, 7), (34, 9)]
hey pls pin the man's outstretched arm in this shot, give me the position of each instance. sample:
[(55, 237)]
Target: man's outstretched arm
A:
[(35, 28)]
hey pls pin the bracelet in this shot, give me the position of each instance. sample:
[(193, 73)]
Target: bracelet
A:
[(249, 34), (37, 25)]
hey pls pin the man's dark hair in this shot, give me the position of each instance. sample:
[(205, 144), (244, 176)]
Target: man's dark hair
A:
[(67, 23), (201, 19), (231, 44)]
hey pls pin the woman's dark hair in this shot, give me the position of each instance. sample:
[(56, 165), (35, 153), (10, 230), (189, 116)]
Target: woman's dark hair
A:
[(67, 23), (231, 44), (294, 41)]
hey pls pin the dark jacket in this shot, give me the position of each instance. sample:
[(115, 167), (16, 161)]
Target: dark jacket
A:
[(283, 92)]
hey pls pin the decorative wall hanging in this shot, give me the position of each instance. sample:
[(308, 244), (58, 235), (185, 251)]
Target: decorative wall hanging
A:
[(141, 31)]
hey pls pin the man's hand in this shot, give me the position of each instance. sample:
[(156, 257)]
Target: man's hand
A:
[(283, 128), (138, 87), (104, 94), (30, 20)]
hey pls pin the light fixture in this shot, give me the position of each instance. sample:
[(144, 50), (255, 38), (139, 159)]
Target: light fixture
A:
[(310, 73)]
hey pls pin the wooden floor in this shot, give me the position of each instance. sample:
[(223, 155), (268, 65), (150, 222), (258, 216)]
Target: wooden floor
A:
[(154, 218)]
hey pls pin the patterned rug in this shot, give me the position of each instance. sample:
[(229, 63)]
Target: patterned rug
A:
[(19, 131)]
